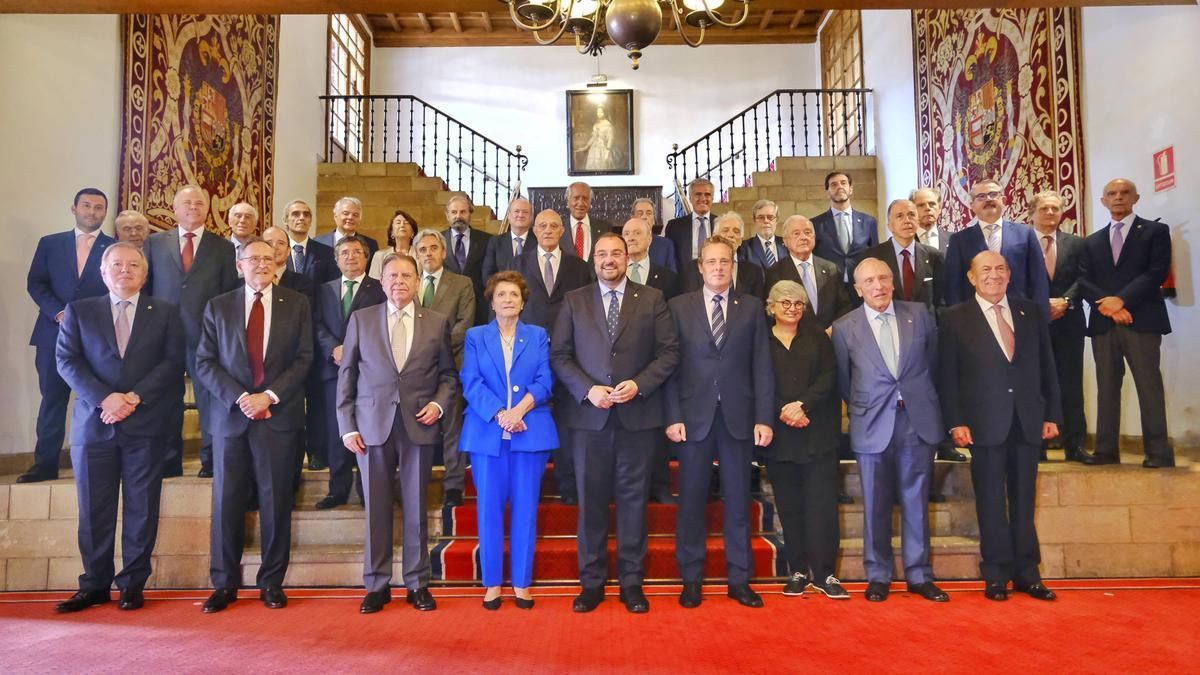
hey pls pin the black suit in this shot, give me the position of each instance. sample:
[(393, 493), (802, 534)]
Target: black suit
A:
[(752, 250), (123, 459), (477, 246), (330, 326), (864, 233), (1004, 403), (499, 255), (613, 447), (1136, 278), (320, 264), (927, 272), (750, 279), (1067, 335), (596, 227), (682, 234), (327, 239), (267, 445), (833, 300), (656, 276), (719, 393)]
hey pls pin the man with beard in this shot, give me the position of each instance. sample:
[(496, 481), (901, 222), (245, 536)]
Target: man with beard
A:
[(843, 233), (466, 249)]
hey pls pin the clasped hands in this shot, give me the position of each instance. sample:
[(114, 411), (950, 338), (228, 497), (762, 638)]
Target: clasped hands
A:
[(117, 406), (1114, 308), (962, 435), (256, 406), (511, 420), (604, 397), (763, 433), (793, 415)]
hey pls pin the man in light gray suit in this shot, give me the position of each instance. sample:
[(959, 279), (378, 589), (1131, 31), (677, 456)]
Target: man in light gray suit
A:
[(453, 295), (393, 428), (887, 355)]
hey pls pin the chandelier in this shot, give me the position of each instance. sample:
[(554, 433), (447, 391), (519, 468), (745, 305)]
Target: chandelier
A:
[(630, 24)]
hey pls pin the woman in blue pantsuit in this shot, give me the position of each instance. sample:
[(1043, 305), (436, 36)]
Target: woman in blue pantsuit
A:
[(509, 432)]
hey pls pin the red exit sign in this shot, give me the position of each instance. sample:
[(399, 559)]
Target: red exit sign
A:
[(1164, 169)]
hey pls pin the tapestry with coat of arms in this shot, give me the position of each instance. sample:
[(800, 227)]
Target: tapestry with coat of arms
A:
[(199, 108), (997, 96)]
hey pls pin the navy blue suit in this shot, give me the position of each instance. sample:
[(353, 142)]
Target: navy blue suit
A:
[(1018, 245), (327, 239), (52, 283), (499, 255), (863, 235), (752, 251), (319, 262), (477, 246), (662, 253), (122, 459)]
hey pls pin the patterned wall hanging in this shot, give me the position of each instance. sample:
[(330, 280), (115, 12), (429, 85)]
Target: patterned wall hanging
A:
[(199, 107), (997, 96)]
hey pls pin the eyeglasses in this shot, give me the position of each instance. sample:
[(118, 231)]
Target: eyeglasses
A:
[(987, 195), (766, 217), (791, 304), (259, 260), (351, 253)]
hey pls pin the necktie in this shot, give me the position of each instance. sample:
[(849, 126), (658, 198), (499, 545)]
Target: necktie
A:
[(399, 341), (122, 327), (614, 313), (1048, 253), (993, 238), (635, 273), (886, 346), (769, 248), (809, 286), (189, 251), (520, 246), (701, 236), (907, 276), (843, 232), (718, 321), (254, 341), (347, 297), (298, 261), (1118, 241), (460, 252), (83, 248), (579, 239), (427, 292), (1007, 338), (548, 274)]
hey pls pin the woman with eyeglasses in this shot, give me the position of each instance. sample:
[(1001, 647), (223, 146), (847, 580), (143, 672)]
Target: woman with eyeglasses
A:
[(400, 235)]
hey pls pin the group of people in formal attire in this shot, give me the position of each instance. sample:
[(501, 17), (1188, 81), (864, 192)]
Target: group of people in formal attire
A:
[(607, 348)]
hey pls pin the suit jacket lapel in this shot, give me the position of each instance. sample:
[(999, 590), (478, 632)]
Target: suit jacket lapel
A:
[(418, 333), (491, 339), (867, 333), (1134, 232), (109, 331), (904, 324), (1060, 259), (140, 318), (94, 255), (173, 250), (278, 325), (522, 340)]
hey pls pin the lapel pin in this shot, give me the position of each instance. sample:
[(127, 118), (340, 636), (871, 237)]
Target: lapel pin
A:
[(1022, 312), (910, 320)]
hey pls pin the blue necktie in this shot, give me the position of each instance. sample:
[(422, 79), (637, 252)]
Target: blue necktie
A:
[(886, 346), (614, 313), (769, 249), (299, 258), (718, 321)]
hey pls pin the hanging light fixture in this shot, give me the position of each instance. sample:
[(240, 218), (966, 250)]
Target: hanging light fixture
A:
[(632, 25)]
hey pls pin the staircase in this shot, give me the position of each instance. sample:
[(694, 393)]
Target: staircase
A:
[(797, 186)]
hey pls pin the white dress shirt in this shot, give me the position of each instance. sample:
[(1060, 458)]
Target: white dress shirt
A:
[(999, 232), (130, 311), (643, 268), (555, 261), (405, 314), (353, 291), (708, 304), (708, 230), (466, 242), (199, 232), (604, 291), (990, 315), (1128, 221), (526, 240), (873, 322), (587, 237)]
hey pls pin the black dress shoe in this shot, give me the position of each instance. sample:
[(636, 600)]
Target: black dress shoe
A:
[(131, 598), (317, 465), (569, 499), (219, 600), (454, 497), (877, 591), (929, 591), (691, 596), (329, 502), (523, 603), (36, 475), (173, 472), (1036, 590), (587, 600), (493, 604), (744, 595), (950, 455), (995, 590), (374, 601), (421, 599), (81, 601), (1092, 459), (844, 498), (205, 472), (1073, 454), (635, 600), (273, 597), (937, 498), (1149, 463)]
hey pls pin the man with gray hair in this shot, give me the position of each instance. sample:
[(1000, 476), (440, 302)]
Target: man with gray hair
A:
[(690, 232), (582, 230), (243, 225), (764, 248), (505, 250), (347, 216), (307, 256), (133, 227), (662, 250), (466, 248), (929, 207)]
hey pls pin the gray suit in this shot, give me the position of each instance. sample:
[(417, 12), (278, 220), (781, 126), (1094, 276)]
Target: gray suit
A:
[(454, 296), (381, 403)]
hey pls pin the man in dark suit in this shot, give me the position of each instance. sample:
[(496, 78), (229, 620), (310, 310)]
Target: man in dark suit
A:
[(466, 247), (450, 295), (842, 232), (641, 268), (296, 281), (347, 217), (254, 355), (396, 381), (720, 404), (504, 250), (990, 232), (189, 267), (243, 225), (999, 396), (1064, 253), (581, 230), (688, 232), (827, 295), (764, 248), (122, 354), (336, 301), (306, 255), (65, 267), (132, 227), (886, 353), (551, 273), (614, 346), (1124, 266), (662, 250), (929, 208)]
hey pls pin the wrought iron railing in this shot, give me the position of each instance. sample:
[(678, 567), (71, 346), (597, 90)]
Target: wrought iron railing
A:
[(404, 128), (784, 123)]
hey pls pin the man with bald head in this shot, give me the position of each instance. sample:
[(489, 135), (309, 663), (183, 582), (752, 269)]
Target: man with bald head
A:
[(916, 268), (999, 395), (929, 207), (1125, 265), (662, 250), (642, 268), (505, 250), (243, 225), (347, 216), (188, 267), (132, 227)]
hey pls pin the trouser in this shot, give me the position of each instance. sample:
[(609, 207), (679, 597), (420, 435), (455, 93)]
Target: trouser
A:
[(342, 464), (52, 412), (1005, 482), (1142, 351), (806, 499), (514, 479), (1068, 361), (454, 461)]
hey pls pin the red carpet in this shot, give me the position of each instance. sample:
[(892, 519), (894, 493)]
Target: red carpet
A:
[(1114, 626)]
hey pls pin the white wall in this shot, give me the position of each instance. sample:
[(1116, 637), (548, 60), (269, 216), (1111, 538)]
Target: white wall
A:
[(515, 95), (299, 116), (888, 70)]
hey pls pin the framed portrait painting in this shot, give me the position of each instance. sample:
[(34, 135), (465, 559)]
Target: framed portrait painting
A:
[(600, 133)]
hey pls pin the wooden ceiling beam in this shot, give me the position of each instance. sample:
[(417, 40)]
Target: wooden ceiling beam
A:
[(796, 19), (487, 21), (392, 19), (457, 24), (766, 20), (424, 22), (514, 38)]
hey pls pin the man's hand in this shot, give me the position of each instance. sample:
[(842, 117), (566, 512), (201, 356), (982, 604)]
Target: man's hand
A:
[(58, 317), (430, 414), (598, 396), (623, 392), (829, 331), (354, 443), (793, 415), (1110, 305), (1122, 317), (337, 355), (1058, 308), (763, 433), (677, 432), (115, 407), (256, 406), (961, 436), (1049, 430)]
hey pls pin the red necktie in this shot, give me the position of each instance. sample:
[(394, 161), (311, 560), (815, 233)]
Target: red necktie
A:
[(907, 276), (579, 240), (1048, 254), (254, 340), (189, 251)]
